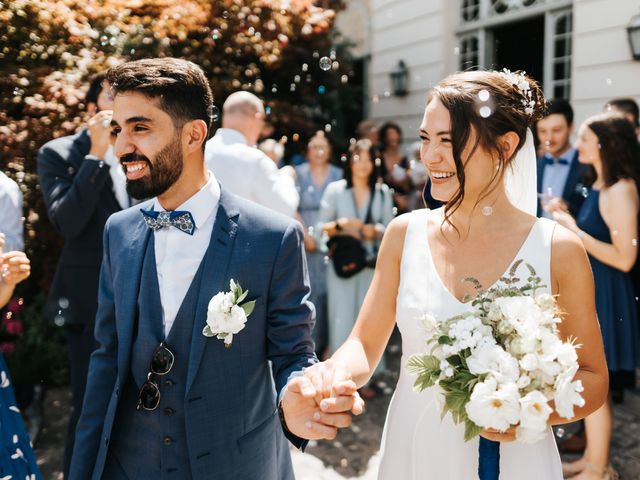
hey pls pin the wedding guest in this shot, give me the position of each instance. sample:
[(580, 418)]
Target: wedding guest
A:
[(272, 149), (607, 225), (240, 167), (629, 108), (394, 167), (560, 175), (82, 184), (421, 196), (17, 459), (11, 213), (368, 129), (313, 177), (360, 207)]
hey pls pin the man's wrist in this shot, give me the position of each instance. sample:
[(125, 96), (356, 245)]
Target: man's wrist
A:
[(283, 420)]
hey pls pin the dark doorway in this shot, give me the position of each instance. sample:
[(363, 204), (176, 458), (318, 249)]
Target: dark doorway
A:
[(520, 46)]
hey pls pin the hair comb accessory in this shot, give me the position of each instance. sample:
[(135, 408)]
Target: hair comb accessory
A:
[(519, 80)]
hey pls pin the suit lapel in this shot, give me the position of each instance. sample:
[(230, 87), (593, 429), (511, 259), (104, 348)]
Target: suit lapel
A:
[(214, 276), (575, 171), (130, 278)]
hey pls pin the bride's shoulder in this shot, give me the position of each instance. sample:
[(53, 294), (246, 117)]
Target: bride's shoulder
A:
[(568, 255)]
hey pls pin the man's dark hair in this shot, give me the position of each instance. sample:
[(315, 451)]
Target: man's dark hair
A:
[(627, 106), (560, 106), (180, 86), (95, 88)]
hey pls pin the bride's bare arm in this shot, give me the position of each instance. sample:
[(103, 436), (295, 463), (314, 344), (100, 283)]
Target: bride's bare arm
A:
[(572, 281), (364, 347)]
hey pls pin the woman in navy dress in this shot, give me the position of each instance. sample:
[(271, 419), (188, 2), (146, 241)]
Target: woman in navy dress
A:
[(607, 224), (17, 460)]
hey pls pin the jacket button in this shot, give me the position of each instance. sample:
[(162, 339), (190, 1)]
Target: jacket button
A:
[(168, 383), (168, 440), (169, 411)]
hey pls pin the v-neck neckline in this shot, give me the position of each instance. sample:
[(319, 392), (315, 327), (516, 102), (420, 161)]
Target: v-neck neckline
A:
[(493, 284)]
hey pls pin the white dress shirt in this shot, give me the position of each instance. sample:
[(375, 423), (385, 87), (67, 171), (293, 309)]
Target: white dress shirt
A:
[(249, 173), (178, 254), (11, 214)]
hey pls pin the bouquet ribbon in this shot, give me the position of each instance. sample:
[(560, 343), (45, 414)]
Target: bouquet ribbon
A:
[(488, 459)]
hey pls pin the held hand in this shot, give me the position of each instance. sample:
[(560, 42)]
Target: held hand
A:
[(15, 267), (369, 232), (566, 220), (100, 130), (497, 436), (306, 419), (350, 223), (309, 243), (556, 204)]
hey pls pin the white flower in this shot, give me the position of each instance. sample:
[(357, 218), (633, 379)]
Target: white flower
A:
[(546, 302), (567, 355), (225, 316), (534, 411), (567, 392), (494, 360), (495, 407)]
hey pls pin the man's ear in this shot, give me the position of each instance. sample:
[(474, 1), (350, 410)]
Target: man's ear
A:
[(196, 134)]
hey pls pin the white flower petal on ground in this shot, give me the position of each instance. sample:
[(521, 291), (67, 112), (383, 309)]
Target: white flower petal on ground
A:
[(492, 406)]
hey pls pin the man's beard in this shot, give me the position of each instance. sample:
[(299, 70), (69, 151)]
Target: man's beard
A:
[(163, 172)]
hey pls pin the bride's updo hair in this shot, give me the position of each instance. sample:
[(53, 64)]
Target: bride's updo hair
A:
[(492, 103)]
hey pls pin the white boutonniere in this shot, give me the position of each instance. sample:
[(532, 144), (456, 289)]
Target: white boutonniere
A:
[(226, 316)]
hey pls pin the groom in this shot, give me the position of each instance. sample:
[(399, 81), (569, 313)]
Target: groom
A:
[(163, 400)]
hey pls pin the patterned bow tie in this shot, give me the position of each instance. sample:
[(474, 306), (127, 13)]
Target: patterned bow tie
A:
[(559, 161), (183, 221)]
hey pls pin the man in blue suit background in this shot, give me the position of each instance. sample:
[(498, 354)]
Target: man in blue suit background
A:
[(163, 400), (82, 185), (560, 174)]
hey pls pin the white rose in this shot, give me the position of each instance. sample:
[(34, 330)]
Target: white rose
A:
[(495, 407), (494, 360), (567, 393), (534, 411), (223, 320)]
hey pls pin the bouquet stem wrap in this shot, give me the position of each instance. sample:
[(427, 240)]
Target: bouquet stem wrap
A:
[(488, 459)]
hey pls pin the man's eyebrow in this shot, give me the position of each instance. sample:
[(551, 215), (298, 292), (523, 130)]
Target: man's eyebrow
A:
[(130, 120)]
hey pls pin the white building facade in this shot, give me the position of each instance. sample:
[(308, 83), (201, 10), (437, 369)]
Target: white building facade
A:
[(578, 49)]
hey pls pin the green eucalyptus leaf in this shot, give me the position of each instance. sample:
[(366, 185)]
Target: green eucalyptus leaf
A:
[(248, 307)]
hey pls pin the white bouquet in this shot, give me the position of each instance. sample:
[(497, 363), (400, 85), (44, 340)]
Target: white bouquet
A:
[(500, 364)]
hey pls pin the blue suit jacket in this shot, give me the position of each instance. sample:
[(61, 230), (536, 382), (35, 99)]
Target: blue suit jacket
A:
[(230, 401), (573, 188), (79, 197)]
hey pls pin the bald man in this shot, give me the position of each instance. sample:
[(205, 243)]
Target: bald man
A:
[(242, 168)]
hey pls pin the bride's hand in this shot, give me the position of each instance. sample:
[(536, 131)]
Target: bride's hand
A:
[(498, 436), (320, 402)]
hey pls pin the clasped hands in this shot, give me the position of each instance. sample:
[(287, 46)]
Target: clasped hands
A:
[(321, 401)]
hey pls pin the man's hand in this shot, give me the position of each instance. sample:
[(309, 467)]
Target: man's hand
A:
[(320, 402), (100, 130), (15, 267)]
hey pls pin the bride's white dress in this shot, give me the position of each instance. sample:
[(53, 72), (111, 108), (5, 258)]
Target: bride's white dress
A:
[(416, 443)]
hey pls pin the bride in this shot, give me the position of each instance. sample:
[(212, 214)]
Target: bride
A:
[(478, 149)]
